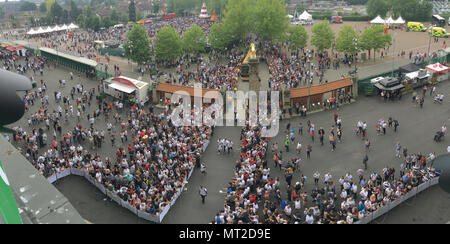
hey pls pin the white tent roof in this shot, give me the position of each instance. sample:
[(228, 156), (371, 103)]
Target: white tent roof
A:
[(305, 16), (290, 16), (400, 20), (390, 20), (31, 32), (377, 20), (64, 27), (437, 67), (122, 88), (73, 26)]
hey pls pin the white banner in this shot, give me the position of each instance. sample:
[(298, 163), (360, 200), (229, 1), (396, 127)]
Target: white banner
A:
[(51, 179), (164, 212)]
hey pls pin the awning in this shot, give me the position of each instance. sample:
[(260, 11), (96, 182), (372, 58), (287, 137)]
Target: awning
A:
[(320, 89), (122, 88), (437, 67), (397, 87)]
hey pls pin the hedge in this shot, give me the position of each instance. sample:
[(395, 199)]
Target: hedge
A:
[(344, 18), (356, 18)]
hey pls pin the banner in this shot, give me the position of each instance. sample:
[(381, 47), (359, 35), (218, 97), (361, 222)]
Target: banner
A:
[(51, 179), (78, 172), (164, 212), (100, 187)]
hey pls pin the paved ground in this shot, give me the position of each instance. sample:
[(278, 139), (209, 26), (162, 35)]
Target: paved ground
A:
[(417, 127)]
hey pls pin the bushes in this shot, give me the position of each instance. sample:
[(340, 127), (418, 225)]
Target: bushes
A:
[(344, 18)]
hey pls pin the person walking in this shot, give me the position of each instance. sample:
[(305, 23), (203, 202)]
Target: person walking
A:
[(396, 124), (308, 151), (203, 168), (398, 149), (203, 193), (287, 143), (366, 158)]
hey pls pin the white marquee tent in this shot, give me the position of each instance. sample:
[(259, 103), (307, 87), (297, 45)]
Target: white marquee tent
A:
[(378, 20), (390, 21), (49, 29), (305, 16), (400, 20)]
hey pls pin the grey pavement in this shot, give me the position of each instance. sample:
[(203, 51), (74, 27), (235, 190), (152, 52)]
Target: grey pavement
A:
[(416, 131)]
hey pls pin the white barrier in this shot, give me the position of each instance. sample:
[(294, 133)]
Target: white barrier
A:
[(154, 218), (52, 179), (395, 203)]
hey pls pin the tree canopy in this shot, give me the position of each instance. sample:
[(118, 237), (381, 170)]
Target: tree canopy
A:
[(344, 41), (297, 37), (218, 38), (270, 19), (168, 46), (28, 6), (322, 35), (137, 46), (374, 38), (194, 40), (132, 11), (419, 10)]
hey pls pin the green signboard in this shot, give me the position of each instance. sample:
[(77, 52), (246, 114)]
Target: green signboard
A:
[(8, 207)]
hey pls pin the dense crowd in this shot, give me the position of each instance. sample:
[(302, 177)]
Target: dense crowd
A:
[(153, 157), (253, 196)]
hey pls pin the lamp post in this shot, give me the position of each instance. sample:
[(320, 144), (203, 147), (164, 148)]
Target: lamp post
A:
[(309, 85), (355, 44)]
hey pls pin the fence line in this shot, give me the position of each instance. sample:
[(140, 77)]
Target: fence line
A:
[(392, 204), (158, 218)]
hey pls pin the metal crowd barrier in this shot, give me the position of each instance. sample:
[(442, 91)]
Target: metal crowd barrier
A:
[(392, 204), (141, 214)]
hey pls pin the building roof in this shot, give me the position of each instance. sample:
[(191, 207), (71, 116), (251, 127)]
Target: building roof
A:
[(82, 60), (319, 89), (171, 88)]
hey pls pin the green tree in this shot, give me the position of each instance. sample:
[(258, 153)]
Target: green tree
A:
[(238, 19), (156, 7), (412, 9), (218, 38), (322, 35), (28, 6), (42, 8), (132, 11), (56, 13), (344, 41), (373, 38), (81, 20), (115, 17), (270, 19), (74, 10), (194, 40), (168, 46), (107, 22), (297, 37), (377, 7), (124, 18), (2, 12), (137, 46), (93, 22)]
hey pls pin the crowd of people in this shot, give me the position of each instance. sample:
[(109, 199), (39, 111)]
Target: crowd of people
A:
[(153, 157), (253, 196)]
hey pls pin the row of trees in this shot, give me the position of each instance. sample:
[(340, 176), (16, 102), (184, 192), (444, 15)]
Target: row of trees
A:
[(169, 45), (373, 38), (408, 9)]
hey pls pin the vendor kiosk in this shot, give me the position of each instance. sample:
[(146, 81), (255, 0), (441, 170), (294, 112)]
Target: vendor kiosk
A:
[(418, 78), (391, 85), (439, 71), (126, 89)]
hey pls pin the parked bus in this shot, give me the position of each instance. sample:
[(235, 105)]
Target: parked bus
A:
[(438, 21)]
